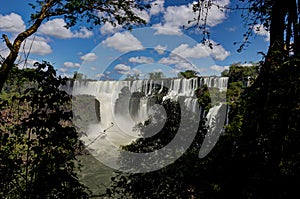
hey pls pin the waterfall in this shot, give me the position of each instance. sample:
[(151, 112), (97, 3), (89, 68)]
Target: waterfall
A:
[(127, 103)]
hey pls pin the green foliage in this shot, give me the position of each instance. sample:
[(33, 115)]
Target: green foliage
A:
[(239, 73), (239, 79), (188, 74), (203, 96), (270, 131), (93, 12), (178, 180), (38, 141), (256, 157), (115, 12), (132, 77), (156, 75)]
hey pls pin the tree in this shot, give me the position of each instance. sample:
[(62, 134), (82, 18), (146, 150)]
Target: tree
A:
[(132, 77), (112, 11), (181, 179), (188, 74), (259, 143), (156, 75), (38, 142), (264, 130)]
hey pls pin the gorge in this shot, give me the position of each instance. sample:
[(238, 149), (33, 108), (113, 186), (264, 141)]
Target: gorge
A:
[(121, 105)]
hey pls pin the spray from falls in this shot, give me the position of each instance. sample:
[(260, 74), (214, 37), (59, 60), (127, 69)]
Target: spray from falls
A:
[(128, 103)]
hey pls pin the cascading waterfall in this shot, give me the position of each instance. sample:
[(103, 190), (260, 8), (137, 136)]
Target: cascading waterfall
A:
[(126, 103)]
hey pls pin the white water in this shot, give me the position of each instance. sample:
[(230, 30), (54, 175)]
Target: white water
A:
[(114, 98)]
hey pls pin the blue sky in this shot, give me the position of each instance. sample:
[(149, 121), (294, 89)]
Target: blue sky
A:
[(113, 53)]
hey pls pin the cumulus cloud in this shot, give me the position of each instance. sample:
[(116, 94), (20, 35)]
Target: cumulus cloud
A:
[(218, 68), (175, 17), (166, 29), (184, 50), (126, 70), (157, 7), (71, 65), (122, 67), (123, 42), (172, 59), (100, 75), (185, 66), (56, 28), (141, 60), (201, 50), (216, 15), (89, 57), (4, 50), (259, 30), (63, 70), (28, 64), (37, 45), (143, 14), (160, 49), (108, 28), (12, 23), (178, 63), (33, 45)]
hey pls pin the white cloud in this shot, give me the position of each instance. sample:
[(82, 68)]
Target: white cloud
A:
[(4, 50), (175, 17), (56, 28), (201, 50), (184, 50), (33, 45), (172, 59), (166, 29), (216, 15), (218, 52), (63, 70), (29, 64), (179, 63), (259, 30), (37, 45), (89, 57), (160, 49), (143, 14), (141, 60), (83, 33), (157, 7), (12, 23), (126, 70), (218, 68), (71, 65), (108, 28), (123, 42), (122, 69), (100, 75)]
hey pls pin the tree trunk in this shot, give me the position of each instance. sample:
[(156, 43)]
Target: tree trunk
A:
[(14, 48), (277, 28)]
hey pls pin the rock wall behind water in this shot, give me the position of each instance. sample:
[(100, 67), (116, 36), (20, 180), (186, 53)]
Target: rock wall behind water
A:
[(130, 101), (124, 104)]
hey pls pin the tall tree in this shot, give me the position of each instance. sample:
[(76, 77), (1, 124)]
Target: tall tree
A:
[(94, 11), (38, 141), (263, 134)]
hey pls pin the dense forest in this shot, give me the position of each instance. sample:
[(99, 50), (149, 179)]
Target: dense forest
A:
[(257, 155)]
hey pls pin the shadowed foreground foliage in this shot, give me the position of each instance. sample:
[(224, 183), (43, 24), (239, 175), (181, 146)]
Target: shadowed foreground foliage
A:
[(37, 140)]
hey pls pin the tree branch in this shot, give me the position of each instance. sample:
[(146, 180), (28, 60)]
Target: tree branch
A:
[(8, 44), (14, 48)]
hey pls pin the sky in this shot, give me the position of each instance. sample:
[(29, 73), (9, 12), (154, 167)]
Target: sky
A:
[(163, 45)]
